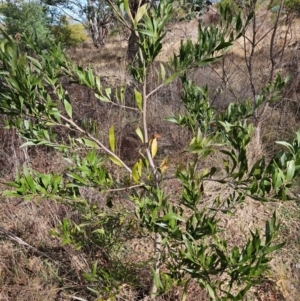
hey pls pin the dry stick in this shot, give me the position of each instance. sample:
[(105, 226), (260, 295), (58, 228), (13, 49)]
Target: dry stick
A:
[(249, 62), (155, 90), (273, 41), (125, 188), (78, 298), (20, 241), (124, 107), (272, 58), (289, 20), (250, 71)]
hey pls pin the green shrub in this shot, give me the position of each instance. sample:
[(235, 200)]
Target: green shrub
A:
[(68, 34)]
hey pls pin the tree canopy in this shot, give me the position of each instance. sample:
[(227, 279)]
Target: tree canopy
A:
[(27, 18)]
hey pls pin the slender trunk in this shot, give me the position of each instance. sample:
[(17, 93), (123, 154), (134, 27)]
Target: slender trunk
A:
[(157, 236), (156, 266)]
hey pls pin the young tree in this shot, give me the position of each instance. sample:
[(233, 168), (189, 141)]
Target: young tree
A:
[(187, 236)]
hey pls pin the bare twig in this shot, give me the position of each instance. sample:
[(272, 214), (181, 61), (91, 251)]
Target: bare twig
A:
[(20, 241), (155, 90), (125, 188), (99, 143)]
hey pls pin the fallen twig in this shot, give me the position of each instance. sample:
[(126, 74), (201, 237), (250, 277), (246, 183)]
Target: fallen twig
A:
[(20, 241)]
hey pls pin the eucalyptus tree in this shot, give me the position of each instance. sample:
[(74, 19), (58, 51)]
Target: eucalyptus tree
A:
[(187, 235)]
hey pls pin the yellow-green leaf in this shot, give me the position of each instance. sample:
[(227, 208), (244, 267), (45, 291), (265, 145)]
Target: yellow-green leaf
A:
[(87, 142), (140, 134), (127, 8), (116, 161), (290, 170), (137, 171), (164, 164), (139, 167), (140, 13), (135, 174), (98, 84), (162, 72), (138, 99), (154, 147), (108, 92), (173, 77), (111, 137), (68, 107)]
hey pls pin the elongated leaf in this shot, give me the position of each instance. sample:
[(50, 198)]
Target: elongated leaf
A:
[(211, 292), (223, 45), (140, 13), (290, 170), (35, 62), (171, 216), (91, 78), (102, 98), (147, 32), (98, 84), (29, 180), (173, 77), (136, 171), (27, 144), (274, 248), (115, 160), (288, 145), (138, 99), (140, 134), (87, 142), (162, 72), (108, 92), (111, 137), (154, 147), (127, 8), (68, 107)]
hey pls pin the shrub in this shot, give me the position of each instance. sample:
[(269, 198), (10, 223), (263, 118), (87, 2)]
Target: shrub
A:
[(68, 34), (27, 18)]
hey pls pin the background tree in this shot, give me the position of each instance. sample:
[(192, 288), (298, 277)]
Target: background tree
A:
[(67, 33), (27, 18), (97, 16)]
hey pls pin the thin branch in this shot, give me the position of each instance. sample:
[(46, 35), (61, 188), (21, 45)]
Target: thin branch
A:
[(107, 150), (117, 14), (67, 14), (20, 241), (78, 298), (155, 90), (124, 107), (125, 188), (272, 43)]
